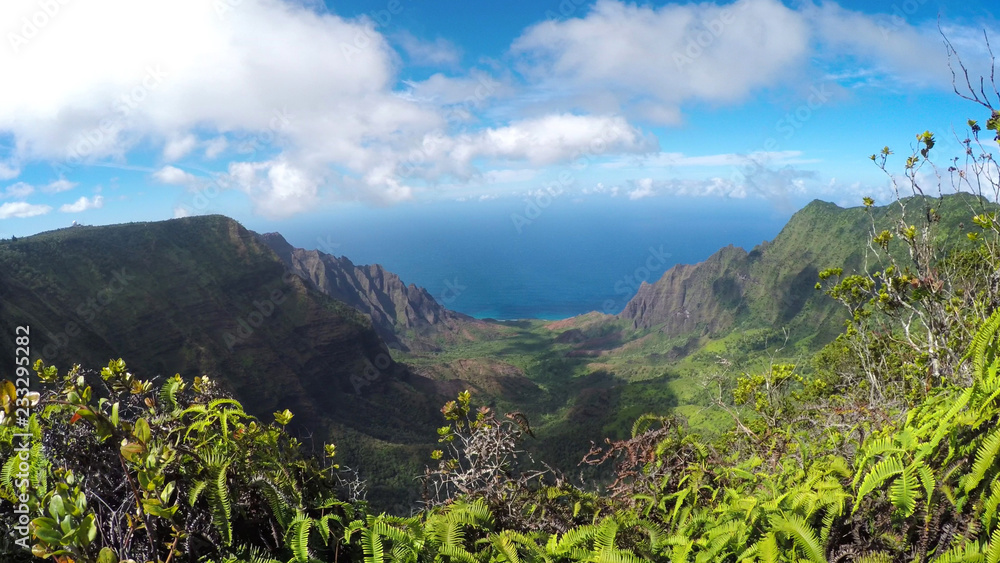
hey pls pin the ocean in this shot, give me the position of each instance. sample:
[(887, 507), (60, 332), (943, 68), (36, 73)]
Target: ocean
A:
[(502, 259)]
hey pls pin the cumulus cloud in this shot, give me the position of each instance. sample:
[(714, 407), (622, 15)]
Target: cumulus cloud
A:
[(277, 188), (334, 76), (644, 188), (175, 176), (647, 62), (651, 60), (179, 147), (554, 138), (83, 204), (310, 113), (316, 112), (22, 209)]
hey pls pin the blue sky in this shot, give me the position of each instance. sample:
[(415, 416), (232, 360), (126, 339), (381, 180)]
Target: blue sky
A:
[(277, 112)]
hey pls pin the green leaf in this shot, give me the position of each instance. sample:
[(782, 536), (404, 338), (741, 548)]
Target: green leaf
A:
[(87, 532), (107, 556), (56, 508), (141, 431)]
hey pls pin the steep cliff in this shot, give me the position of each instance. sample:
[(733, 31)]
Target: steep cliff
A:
[(773, 285), (405, 316)]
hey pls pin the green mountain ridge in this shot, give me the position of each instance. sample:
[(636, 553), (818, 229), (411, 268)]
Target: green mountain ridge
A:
[(773, 284)]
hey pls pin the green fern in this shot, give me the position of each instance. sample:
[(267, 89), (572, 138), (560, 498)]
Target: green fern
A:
[(904, 492), (220, 503), (802, 534), (981, 351), (297, 537), (878, 476), (986, 459)]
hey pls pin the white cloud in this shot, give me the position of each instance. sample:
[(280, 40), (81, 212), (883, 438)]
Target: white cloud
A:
[(83, 204), (22, 209), (649, 60), (351, 134), (316, 102), (554, 138), (277, 188), (755, 180), (215, 147), (891, 45), (644, 189), (8, 171), (177, 148), (429, 53), (19, 190), (82, 96), (22, 190), (180, 212), (173, 175), (469, 93), (58, 186)]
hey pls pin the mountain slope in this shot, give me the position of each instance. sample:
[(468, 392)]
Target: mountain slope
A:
[(202, 295), (405, 316), (773, 285)]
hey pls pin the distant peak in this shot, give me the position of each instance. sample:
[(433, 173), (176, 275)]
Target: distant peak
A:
[(279, 245), (274, 238)]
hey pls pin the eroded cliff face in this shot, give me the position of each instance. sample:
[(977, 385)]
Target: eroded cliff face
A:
[(689, 297), (405, 316), (774, 285)]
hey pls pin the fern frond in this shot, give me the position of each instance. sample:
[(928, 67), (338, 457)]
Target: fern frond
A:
[(903, 494), (802, 534), (371, 544), (986, 459), (879, 474), (980, 343), (876, 557), (993, 549), (220, 503), (297, 537)]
